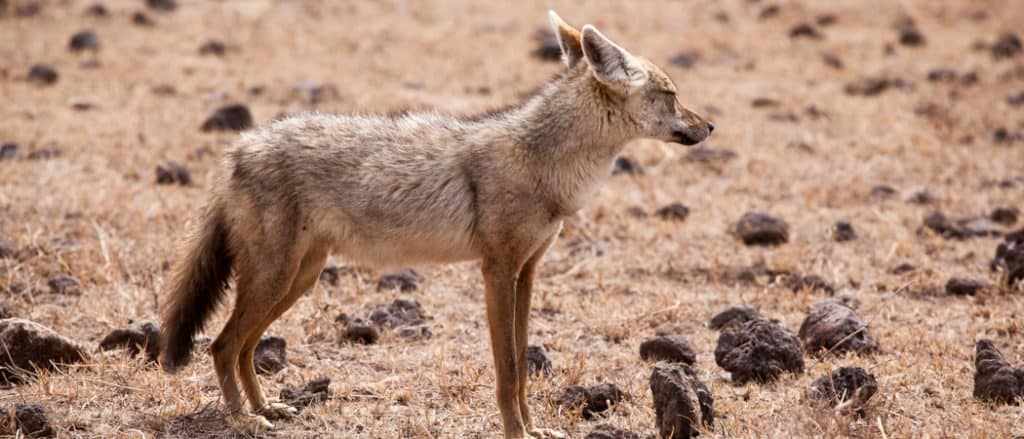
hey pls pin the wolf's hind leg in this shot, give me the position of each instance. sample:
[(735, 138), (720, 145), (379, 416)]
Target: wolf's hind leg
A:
[(307, 274), (260, 286)]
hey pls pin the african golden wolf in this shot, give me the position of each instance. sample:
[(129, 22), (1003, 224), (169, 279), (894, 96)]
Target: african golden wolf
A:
[(418, 188)]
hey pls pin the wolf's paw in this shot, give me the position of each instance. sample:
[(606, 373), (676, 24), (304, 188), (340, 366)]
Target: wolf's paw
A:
[(545, 433), (249, 424), (278, 410)]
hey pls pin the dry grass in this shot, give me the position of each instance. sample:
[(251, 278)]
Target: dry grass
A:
[(95, 213)]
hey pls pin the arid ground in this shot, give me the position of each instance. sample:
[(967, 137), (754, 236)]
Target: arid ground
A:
[(806, 147)]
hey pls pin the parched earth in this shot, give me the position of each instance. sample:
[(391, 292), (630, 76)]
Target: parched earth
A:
[(868, 160)]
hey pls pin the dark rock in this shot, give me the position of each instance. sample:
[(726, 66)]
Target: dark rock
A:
[(547, 45), (1003, 135), (674, 212), (213, 47), (97, 10), (1008, 183), (825, 20), (64, 285), (756, 228), (903, 268), (29, 346), (1010, 257), (405, 315), (959, 286), (832, 60), (1007, 45), (768, 11), (164, 89), (79, 104), (140, 18), (910, 35), (702, 154), (42, 74), (835, 327), (605, 431), (359, 331), (1006, 216), (922, 197), (764, 103), (313, 392), (805, 30), (9, 151), (332, 273), (1015, 100), (137, 338), (671, 348), (32, 421), (939, 223), (571, 398), (868, 86), (733, 316), (624, 165), (270, 356), (22, 9), (784, 116), (405, 281), (173, 173), (942, 74), (591, 401), (537, 363), (636, 212), (162, 5), (602, 397), (45, 152), (686, 60), (235, 117), (883, 191), (843, 231), (801, 146), (84, 40), (811, 282), (849, 387), (930, 110), (994, 379), (758, 350), (683, 405), (969, 79)]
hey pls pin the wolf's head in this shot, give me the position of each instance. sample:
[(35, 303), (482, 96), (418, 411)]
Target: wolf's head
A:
[(641, 92)]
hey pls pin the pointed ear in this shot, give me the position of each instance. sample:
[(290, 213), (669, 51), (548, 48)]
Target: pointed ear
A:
[(612, 65), (568, 39)]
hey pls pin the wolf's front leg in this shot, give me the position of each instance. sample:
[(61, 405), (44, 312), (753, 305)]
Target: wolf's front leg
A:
[(524, 292), (500, 296)]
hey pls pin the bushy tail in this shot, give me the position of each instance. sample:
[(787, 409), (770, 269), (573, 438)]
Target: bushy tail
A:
[(199, 283)]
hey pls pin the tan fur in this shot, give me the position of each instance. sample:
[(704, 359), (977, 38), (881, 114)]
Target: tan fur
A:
[(424, 188)]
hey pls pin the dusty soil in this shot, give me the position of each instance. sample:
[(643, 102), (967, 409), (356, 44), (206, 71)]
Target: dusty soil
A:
[(841, 108)]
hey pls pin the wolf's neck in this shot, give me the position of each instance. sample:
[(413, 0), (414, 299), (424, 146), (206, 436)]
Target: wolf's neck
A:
[(572, 136), (569, 120)]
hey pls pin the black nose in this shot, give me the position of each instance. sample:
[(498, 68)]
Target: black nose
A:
[(711, 127)]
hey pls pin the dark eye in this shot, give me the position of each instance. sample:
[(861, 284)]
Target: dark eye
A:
[(668, 93)]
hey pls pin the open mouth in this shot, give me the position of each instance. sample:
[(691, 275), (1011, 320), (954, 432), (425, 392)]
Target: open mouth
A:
[(683, 138)]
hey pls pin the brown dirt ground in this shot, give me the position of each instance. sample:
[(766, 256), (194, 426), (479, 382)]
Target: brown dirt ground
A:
[(95, 213)]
